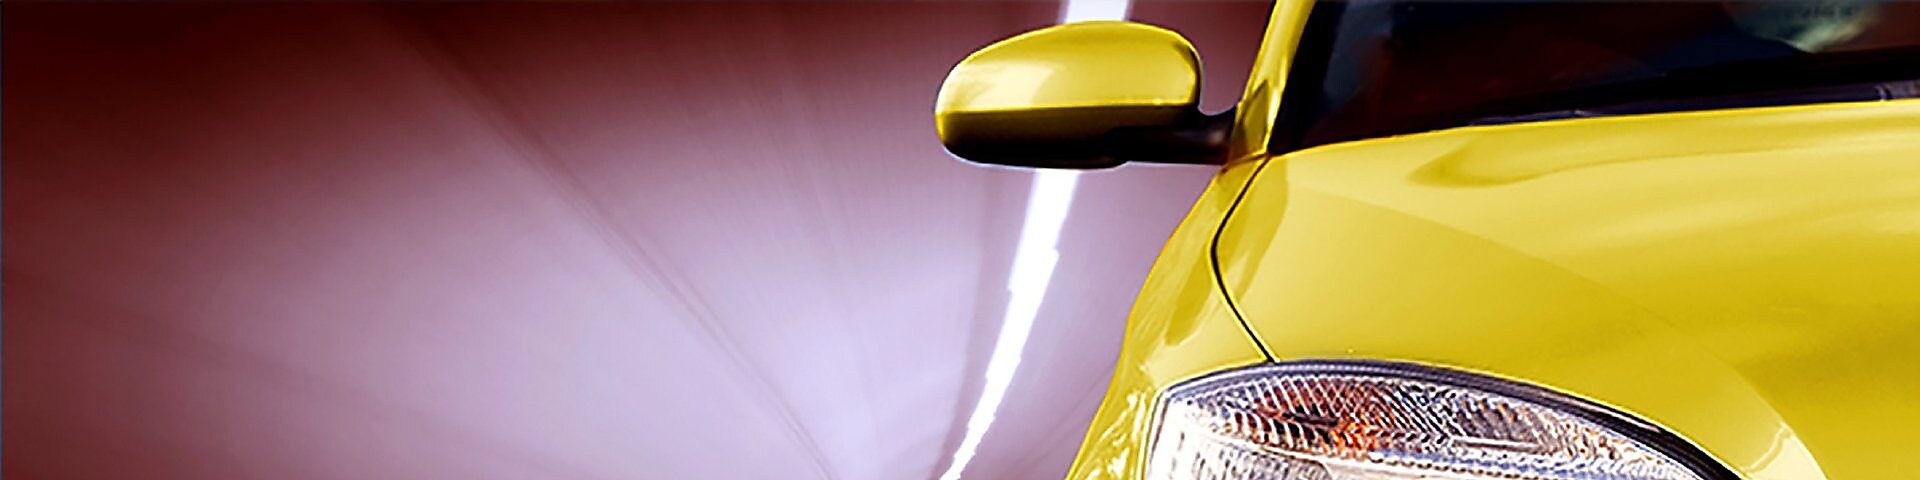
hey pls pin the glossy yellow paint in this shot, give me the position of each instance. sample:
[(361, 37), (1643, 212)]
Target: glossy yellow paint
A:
[(1056, 97), (1180, 328), (1748, 279), (1085, 64), (1253, 116)]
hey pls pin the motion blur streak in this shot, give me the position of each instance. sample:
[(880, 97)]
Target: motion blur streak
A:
[(1084, 10), (1033, 263), (566, 240)]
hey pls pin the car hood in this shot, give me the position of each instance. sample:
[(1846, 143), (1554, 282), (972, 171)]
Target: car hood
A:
[(1749, 279)]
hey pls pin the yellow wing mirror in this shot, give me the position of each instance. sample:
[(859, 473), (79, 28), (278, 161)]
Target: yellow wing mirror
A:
[(1081, 95)]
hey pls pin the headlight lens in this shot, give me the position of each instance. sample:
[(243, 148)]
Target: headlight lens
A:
[(1340, 421)]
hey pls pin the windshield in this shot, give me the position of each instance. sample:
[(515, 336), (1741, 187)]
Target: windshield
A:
[(1371, 68)]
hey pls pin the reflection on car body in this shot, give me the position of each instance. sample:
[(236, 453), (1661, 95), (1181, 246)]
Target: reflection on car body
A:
[(1546, 240)]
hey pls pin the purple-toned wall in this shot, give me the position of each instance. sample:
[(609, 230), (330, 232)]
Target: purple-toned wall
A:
[(558, 241)]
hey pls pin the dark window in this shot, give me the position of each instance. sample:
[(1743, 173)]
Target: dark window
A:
[(1372, 68)]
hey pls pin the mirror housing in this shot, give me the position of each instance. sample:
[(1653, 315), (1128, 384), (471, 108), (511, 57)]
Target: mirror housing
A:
[(1080, 95)]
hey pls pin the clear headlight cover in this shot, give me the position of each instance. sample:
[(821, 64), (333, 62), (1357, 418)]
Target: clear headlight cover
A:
[(1352, 420)]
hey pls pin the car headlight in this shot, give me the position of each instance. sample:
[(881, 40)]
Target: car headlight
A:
[(1373, 420)]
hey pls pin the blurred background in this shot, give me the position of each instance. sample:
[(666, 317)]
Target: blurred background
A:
[(554, 240)]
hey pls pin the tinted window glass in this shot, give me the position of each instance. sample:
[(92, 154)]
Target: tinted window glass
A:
[(1371, 68)]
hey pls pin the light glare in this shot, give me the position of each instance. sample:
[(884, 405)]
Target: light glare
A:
[(1033, 261)]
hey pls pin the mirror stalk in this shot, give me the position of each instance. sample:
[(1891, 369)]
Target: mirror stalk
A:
[(1197, 139)]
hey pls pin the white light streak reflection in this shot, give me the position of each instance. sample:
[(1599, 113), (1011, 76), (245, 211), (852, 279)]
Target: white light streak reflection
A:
[(1033, 262)]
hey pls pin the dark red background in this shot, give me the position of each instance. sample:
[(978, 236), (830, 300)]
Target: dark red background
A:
[(516, 241)]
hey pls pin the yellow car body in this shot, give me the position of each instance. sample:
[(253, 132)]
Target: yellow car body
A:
[(1747, 279)]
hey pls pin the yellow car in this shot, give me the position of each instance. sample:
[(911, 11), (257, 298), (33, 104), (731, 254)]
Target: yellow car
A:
[(1527, 240)]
